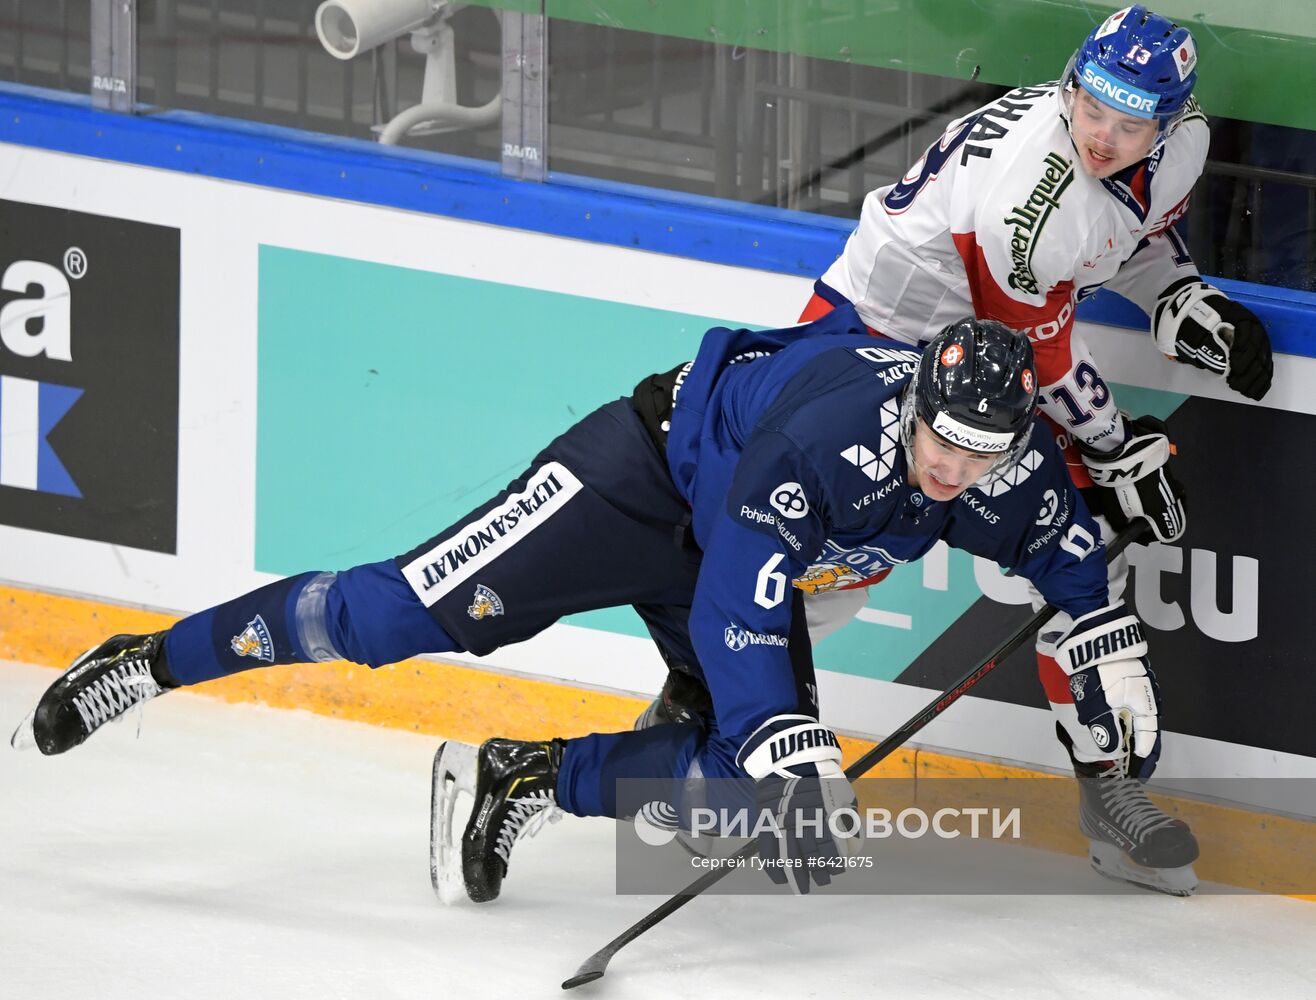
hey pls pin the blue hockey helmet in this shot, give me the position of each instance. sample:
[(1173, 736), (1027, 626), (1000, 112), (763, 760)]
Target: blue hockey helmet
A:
[(1137, 62), (976, 387)]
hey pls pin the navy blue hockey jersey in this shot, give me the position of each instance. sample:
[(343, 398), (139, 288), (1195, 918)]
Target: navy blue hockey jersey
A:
[(786, 443)]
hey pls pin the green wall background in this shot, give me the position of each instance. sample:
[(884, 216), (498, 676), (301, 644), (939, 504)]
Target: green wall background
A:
[(1254, 57)]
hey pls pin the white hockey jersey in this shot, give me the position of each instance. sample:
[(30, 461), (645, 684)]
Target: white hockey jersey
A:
[(999, 220)]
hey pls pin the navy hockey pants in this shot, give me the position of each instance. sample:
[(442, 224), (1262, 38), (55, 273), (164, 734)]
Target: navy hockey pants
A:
[(594, 522)]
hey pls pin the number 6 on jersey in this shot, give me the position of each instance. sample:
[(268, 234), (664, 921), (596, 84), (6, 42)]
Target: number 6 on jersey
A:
[(770, 587)]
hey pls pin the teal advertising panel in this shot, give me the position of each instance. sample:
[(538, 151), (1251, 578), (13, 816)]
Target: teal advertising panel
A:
[(391, 401)]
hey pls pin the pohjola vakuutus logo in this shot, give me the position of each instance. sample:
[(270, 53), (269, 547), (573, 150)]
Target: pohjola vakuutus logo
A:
[(88, 376)]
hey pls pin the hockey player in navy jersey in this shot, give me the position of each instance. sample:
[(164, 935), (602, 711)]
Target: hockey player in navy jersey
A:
[(776, 460)]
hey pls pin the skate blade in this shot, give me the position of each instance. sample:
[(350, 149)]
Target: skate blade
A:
[(454, 774), (1109, 861), (25, 738)]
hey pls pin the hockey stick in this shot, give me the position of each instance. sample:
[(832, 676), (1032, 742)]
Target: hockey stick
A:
[(596, 965)]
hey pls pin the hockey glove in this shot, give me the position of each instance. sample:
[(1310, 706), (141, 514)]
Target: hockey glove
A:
[(1199, 325), (1104, 655), (1139, 480), (796, 763)]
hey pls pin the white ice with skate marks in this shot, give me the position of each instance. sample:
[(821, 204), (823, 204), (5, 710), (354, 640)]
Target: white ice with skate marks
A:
[(238, 851)]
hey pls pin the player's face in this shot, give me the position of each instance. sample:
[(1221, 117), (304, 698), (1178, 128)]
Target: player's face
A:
[(1108, 140), (941, 470)]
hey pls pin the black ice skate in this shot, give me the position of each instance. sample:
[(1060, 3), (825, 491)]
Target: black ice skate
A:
[(101, 685), (1129, 838), (684, 699), (514, 786)]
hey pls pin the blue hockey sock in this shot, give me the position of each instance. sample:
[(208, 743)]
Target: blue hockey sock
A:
[(367, 615), (665, 762), (592, 765)]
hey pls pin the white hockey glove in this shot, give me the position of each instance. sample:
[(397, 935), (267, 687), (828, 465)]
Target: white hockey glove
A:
[(1198, 324), (796, 762), (1140, 480), (1104, 655)]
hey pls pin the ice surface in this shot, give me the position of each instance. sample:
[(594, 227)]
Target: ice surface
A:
[(235, 851)]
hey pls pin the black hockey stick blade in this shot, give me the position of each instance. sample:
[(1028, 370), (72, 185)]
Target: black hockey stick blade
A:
[(591, 969), (596, 966)]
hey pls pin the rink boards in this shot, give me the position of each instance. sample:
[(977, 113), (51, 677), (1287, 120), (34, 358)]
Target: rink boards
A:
[(300, 381)]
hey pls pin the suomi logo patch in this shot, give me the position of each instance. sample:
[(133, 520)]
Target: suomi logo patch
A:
[(486, 604), (254, 641)]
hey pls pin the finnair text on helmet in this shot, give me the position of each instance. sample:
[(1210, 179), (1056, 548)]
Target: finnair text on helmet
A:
[(968, 437)]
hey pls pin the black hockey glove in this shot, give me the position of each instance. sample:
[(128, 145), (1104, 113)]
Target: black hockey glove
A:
[(1139, 480), (1115, 693), (1199, 325), (796, 763)]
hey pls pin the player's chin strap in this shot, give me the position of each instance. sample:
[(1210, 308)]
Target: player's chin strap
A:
[(908, 418)]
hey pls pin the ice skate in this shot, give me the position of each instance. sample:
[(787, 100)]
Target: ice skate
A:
[(1129, 838), (101, 686), (513, 784)]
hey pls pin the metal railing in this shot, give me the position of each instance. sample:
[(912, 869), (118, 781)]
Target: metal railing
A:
[(769, 128)]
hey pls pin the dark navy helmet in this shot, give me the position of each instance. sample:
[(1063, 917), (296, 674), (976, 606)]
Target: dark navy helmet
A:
[(976, 387), (1137, 62)]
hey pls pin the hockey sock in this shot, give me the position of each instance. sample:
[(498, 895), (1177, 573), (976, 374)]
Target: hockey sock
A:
[(680, 766), (593, 765), (367, 615)]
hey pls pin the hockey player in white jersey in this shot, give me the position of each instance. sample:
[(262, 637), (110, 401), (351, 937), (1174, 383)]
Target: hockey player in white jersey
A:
[(1017, 212), (1030, 203)]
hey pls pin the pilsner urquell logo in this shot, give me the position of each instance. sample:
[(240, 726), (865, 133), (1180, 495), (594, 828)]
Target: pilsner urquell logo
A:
[(1029, 218)]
